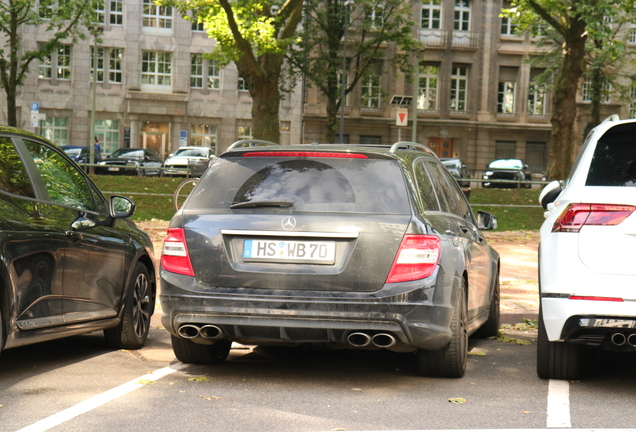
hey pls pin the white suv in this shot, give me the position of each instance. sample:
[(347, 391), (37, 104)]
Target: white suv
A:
[(587, 270)]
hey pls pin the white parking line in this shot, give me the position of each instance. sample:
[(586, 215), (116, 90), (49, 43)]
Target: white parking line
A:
[(559, 404), (101, 399)]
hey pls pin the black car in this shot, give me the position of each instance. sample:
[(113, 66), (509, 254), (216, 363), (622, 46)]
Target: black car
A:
[(513, 171), (72, 261), (458, 169), (132, 161), (81, 154), (345, 246)]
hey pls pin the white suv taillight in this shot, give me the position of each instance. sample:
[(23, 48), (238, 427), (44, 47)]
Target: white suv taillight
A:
[(175, 257), (417, 258), (577, 215)]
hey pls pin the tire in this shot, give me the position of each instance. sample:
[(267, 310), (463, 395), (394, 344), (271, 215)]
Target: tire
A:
[(190, 352), (491, 326), (139, 302), (556, 360), (450, 361)]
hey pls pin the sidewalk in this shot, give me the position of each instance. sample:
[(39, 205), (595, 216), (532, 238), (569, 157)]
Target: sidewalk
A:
[(518, 274)]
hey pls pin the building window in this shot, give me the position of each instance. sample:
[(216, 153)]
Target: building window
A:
[(370, 139), (462, 15), (112, 69), (371, 92), (156, 69), (459, 84), (204, 135), (197, 26), (196, 71), (116, 12), (431, 14), (508, 26), (100, 64), (203, 70), (606, 88), (536, 156), (427, 99), (244, 132), (110, 11), (505, 150), (242, 84), (115, 70), (47, 8), (107, 133), (374, 15), (536, 99), (57, 64), (506, 97), (159, 17), (55, 129)]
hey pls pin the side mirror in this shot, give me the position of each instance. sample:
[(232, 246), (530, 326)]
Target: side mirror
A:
[(486, 221), (121, 207), (550, 193)]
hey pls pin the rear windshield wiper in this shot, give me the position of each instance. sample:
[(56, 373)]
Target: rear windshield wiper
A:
[(265, 203)]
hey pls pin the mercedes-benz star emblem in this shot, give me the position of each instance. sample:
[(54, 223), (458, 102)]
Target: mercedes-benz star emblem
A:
[(288, 223)]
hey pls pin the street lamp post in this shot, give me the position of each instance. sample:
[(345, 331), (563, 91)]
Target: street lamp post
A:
[(95, 31), (344, 69)]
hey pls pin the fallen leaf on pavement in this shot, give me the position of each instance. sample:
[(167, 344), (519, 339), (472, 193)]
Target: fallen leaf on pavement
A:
[(457, 401), (199, 379)]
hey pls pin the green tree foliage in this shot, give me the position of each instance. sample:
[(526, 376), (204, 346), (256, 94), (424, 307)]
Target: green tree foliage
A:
[(254, 34), (64, 20), (379, 36), (573, 26)]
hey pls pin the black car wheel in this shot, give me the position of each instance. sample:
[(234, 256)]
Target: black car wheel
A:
[(556, 360), (190, 352), (450, 361), (139, 301), (491, 326)]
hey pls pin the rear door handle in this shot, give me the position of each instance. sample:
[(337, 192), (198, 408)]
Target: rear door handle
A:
[(75, 235)]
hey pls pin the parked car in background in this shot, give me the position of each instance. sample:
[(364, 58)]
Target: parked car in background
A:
[(185, 158), (81, 154), (72, 261), (507, 169), (132, 161), (458, 169), (348, 246), (586, 266)]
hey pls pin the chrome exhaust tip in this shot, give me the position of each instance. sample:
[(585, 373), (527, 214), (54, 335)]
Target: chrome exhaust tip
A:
[(188, 331), (384, 340), (210, 332), (359, 339), (618, 339), (631, 339)]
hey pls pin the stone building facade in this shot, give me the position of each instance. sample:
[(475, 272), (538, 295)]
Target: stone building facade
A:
[(154, 87), (476, 99)]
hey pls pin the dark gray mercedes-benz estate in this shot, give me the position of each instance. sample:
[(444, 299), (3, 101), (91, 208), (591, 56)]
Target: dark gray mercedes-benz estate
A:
[(353, 246)]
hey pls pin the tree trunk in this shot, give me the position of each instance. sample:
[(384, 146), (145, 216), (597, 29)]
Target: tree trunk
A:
[(12, 116), (332, 136), (563, 139), (265, 102)]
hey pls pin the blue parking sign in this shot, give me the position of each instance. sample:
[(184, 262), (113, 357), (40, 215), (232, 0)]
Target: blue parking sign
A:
[(35, 106)]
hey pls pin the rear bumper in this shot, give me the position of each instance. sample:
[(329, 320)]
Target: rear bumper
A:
[(417, 314)]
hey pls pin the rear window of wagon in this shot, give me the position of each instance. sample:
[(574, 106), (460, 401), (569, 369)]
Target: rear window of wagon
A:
[(313, 184)]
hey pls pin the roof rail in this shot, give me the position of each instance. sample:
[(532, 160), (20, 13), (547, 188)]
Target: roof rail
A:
[(251, 143), (612, 118), (410, 145)]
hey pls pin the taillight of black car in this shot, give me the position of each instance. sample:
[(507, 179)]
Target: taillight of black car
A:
[(175, 257), (416, 258)]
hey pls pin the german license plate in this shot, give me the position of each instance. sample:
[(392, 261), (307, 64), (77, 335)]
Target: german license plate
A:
[(289, 251), (113, 169)]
